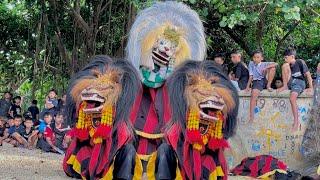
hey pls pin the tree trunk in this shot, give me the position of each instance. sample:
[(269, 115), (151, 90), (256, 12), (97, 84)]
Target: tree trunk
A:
[(61, 47), (36, 59), (260, 27), (281, 41), (237, 39), (108, 30)]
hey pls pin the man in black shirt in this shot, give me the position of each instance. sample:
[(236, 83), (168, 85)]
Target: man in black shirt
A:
[(240, 73), (5, 104), (15, 108), (17, 130), (62, 104), (294, 72), (219, 59), (34, 110)]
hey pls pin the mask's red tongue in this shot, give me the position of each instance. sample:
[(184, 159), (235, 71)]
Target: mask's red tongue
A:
[(90, 105), (212, 113), (216, 114)]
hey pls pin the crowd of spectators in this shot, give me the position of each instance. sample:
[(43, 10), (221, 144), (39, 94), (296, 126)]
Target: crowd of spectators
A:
[(32, 128), (260, 75), (47, 130)]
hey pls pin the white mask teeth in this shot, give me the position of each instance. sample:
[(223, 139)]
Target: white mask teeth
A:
[(160, 58), (93, 110), (93, 97), (206, 116)]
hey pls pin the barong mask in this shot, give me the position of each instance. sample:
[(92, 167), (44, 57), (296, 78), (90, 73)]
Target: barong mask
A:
[(162, 37), (99, 102), (208, 105), (163, 52), (204, 106), (207, 108), (162, 57), (97, 95)]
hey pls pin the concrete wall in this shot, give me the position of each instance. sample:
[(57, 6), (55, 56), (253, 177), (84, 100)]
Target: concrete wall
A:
[(271, 131)]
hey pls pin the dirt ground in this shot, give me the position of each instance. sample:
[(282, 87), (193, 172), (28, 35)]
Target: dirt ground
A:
[(24, 164)]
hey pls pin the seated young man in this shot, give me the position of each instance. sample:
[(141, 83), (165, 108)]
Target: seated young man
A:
[(278, 83), (6, 135), (219, 59), (16, 132), (34, 110), (3, 124), (294, 72), (239, 75), (261, 77), (48, 140), (60, 131), (30, 134)]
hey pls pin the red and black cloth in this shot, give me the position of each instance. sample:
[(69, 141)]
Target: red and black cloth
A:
[(258, 166), (92, 161), (151, 111), (193, 163)]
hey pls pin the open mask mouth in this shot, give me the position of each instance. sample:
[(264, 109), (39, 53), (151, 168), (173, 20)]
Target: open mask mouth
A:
[(160, 58), (209, 109), (94, 102)]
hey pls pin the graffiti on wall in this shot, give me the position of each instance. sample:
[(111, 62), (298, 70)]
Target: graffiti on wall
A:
[(271, 132)]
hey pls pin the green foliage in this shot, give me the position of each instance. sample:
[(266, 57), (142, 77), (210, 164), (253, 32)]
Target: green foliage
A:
[(270, 25), (259, 24)]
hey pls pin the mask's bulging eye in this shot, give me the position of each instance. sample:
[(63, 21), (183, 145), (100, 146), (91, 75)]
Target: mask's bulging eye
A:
[(214, 80), (191, 80), (117, 80), (96, 73)]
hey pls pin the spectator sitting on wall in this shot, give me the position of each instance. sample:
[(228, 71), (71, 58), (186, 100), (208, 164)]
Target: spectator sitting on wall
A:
[(294, 73), (5, 104), (219, 59), (261, 77), (239, 75)]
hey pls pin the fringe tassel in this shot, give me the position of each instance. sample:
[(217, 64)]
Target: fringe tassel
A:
[(83, 123), (105, 128), (82, 134), (94, 160), (196, 164), (187, 159), (194, 136), (103, 131), (214, 144), (223, 164)]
